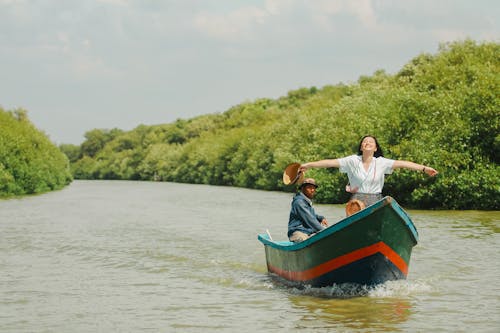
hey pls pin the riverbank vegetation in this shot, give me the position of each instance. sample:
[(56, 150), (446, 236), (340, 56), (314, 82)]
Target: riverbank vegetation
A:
[(441, 110), (29, 162)]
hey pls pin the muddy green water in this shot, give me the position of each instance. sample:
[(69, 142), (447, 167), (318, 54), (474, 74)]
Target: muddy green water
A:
[(102, 256)]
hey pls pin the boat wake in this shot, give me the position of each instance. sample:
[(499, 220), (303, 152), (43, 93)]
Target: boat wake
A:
[(397, 288)]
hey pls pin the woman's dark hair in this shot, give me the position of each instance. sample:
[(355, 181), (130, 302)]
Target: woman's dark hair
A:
[(378, 153)]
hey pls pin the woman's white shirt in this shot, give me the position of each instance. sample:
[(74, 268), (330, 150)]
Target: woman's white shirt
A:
[(367, 181)]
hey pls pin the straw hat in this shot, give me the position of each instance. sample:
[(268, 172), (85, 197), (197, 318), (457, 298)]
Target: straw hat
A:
[(354, 206), (309, 181), (291, 175)]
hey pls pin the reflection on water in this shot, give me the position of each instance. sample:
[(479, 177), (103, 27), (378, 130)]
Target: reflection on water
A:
[(354, 307), (478, 223), (357, 313)]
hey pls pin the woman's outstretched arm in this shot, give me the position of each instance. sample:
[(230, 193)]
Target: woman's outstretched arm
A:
[(330, 163), (414, 166)]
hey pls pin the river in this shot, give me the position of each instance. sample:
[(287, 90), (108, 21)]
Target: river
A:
[(117, 256)]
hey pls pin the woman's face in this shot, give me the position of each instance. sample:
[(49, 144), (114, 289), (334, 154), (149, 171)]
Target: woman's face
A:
[(368, 144)]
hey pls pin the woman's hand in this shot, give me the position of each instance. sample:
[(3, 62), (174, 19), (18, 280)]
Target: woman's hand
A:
[(350, 189), (430, 171)]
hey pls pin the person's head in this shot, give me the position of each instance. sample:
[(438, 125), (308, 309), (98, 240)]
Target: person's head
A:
[(369, 142), (308, 187)]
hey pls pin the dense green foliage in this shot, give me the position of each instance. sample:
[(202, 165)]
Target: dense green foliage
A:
[(29, 162), (440, 110)]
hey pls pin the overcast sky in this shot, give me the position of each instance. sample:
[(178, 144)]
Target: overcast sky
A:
[(85, 64)]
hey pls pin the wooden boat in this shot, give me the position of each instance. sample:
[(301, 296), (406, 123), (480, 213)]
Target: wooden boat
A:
[(369, 247)]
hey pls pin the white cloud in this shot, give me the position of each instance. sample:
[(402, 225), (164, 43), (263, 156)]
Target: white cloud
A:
[(285, 23), (234, 25), (114, 2), (324, 12)]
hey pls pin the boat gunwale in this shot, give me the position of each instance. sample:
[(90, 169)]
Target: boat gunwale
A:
[(344, 223)]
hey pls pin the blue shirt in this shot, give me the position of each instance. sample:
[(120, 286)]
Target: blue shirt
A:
[(303, 217)]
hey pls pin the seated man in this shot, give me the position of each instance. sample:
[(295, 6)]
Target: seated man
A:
[(304, 222)]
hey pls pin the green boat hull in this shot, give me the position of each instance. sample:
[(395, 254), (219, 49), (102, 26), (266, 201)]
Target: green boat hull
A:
[(370, 247)]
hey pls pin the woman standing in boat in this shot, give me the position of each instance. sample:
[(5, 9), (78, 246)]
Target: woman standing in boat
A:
[(366, 170)]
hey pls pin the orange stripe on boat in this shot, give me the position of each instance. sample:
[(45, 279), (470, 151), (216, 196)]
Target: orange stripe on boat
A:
[(346, 259)]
